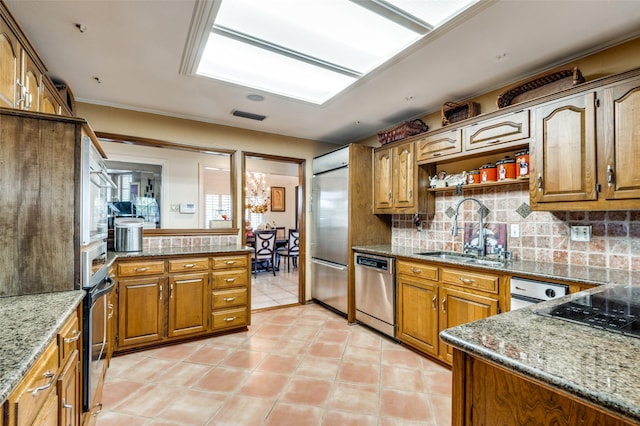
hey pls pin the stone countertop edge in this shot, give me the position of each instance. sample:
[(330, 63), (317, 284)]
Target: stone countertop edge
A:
[(177, 251), (535, 270), (595, 365), (29, 323)]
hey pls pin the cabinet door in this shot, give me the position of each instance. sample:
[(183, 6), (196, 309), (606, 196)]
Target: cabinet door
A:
[(497, 131), (563, 155), (48, 102), (188, 310), (140, 310), (622, 140), (433, 148), (30, 93), (404, 165), (69, 393), (8, 67), (458, 307), (418, 314), (383, 180), (48, 414)]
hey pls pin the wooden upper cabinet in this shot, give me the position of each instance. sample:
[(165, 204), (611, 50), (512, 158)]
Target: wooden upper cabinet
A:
[(48, 102), (8, 68), (29, 85), (404, 165), (383, 179), (564, 151), (505, 129), (433, 148), (622, 141)]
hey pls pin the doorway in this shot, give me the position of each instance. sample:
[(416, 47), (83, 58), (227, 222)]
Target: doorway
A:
[(273, 194)]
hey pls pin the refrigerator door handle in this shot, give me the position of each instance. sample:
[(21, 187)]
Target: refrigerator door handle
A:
[(330, 265)]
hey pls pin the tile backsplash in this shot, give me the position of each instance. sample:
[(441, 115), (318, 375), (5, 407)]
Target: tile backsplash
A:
[(188, 241), (544, 236)]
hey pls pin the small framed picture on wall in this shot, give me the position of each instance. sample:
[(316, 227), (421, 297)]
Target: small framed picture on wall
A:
[(277, 198)]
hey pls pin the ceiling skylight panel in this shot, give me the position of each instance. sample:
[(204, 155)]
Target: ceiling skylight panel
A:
[(230, 60), (337, 32), (433, 12)]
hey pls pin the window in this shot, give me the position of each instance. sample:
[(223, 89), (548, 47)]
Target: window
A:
[(308, 49), (217, 207)]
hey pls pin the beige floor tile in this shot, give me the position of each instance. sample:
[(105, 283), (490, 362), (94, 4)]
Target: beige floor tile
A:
[(242, 410), (308, 391), (263, 385), (339, 418), (294, 415)]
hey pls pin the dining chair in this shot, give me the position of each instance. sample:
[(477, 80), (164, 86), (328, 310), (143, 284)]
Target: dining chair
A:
[(292, 250), (264, 250)]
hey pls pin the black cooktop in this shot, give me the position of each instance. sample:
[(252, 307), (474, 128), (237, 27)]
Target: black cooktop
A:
[(615, 309)]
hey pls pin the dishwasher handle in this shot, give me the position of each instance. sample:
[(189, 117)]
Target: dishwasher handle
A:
[(383, 265)]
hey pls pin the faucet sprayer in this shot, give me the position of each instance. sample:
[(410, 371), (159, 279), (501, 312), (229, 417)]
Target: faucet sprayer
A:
[(454, 230)]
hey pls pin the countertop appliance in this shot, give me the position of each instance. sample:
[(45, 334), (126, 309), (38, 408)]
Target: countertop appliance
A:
[(614, 309), (329, 235), (526, 292), (341, 217), (375, 292)]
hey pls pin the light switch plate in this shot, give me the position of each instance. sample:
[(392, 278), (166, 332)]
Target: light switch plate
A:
[(515, 230), (581, 233)]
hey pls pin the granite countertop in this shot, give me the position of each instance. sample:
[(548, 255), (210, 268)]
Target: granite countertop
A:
[(593, 364), (29, 323), (177, 251), (537, 270)]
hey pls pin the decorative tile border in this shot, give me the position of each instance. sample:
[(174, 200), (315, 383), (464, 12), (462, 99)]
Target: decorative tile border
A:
[(544, 236)]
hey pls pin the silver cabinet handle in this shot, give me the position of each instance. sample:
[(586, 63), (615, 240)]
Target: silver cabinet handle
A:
[(189, 265), (610, 175), (434, 303), (416, 270), (521, 289), (389, 195), (229, 280), (229, 319), (229, 299), (110, 306), (540, 182), (410, 193), (51, 376), (493, 141), (467, 280), (160, 291), (75, 337), (437, 154), (444, 305), (143, 269), (171, 291), (230, 262)]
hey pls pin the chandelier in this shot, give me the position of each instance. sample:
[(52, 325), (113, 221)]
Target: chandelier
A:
[(257, 200)]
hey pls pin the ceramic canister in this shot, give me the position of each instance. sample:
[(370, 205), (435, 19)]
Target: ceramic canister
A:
[(506, 168), (488, 173), (473, 177), (522, 163)]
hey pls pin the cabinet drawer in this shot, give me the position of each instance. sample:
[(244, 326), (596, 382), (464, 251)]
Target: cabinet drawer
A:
[(229, 298), (226, 262), (36, 386), (69, 338), (185, 265), (129, 269), (475, 280), (229, 318), (431, 148), (496, 131), (418, 270), (232, 278)]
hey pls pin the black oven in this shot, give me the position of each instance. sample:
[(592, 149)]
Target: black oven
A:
[(96, 312)]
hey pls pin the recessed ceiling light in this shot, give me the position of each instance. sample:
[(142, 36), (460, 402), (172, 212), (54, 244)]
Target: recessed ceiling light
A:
[(255, 98)]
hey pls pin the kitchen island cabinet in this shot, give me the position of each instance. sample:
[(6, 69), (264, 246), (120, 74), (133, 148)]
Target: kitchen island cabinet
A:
[(180, 294), (524, 368)]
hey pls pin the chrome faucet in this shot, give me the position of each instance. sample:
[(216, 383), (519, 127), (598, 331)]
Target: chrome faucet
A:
[(482, 251)]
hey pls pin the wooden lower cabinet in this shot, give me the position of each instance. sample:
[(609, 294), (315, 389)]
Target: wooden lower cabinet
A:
[(188, 307), (486, 394), (140, 311), (176, 298), (427, 303), (50, 392)]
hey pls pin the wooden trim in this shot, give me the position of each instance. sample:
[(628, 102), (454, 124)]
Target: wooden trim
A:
[(188, 232), (155, 143)]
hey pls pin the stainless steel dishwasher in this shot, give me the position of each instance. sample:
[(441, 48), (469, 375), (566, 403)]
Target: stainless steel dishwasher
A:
[(375, 292)]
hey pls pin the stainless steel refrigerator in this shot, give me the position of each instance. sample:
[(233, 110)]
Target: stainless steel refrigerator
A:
[(342, 216)]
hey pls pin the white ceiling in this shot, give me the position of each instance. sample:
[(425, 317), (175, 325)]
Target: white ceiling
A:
[(135, 47)]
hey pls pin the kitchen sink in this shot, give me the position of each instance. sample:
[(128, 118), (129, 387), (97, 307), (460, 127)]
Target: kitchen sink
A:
[(461, 257)]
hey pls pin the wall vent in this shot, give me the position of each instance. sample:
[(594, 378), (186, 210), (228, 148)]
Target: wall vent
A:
[(249, 115)]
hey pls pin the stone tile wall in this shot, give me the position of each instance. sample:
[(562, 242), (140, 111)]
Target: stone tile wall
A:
[(544, 236), (188, 241)]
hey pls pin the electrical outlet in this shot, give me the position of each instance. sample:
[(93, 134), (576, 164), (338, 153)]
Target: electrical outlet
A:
[(175, 207), (515, 230), (581, 233)]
